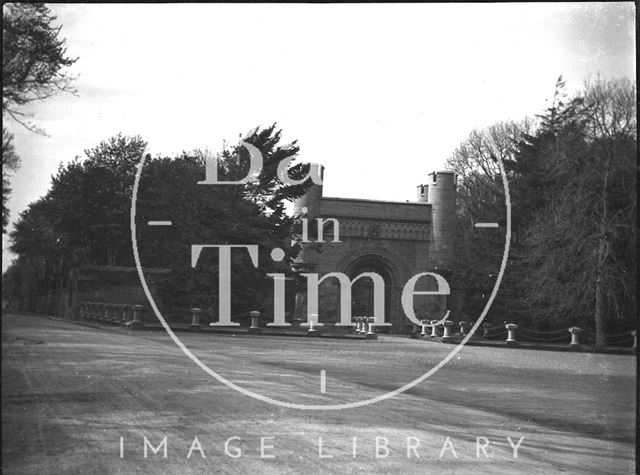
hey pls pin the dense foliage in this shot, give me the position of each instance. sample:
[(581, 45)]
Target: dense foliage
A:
[(85, 217), (572, 176), (574, 203)]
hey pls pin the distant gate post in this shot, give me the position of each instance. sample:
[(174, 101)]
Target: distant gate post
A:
[(575, 342), (434, 330), (447, 337), (115, 313), (123, 314), (195, 319), (105, 314), (312, 331), (371, 333), (511, 336), (137, 323), (486, 328), (365, 325), (423, 333), (127, 311), (255, 328)]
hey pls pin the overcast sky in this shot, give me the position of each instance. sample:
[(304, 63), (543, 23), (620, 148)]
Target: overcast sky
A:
[(379, 94)]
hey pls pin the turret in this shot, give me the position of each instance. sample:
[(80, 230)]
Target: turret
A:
[(423, 193), (441, 195), (311, 199)]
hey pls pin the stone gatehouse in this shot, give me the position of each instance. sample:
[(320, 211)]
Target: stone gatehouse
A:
[(393, 239)]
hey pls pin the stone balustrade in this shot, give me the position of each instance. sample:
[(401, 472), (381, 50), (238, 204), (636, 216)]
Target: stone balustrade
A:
[(132, 317)]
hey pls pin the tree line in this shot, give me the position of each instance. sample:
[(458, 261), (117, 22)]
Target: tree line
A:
[(84, 219), (572, 177), (572, 174)]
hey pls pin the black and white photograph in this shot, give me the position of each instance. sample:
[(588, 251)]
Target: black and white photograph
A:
[(291, 238)]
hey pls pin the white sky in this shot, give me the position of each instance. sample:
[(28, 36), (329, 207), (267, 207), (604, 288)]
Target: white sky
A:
[(379, 94)]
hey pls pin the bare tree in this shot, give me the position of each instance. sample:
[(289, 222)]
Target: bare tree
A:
[(34, 58), (612, 128)]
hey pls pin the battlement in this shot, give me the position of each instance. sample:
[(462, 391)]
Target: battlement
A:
[(447, 178)]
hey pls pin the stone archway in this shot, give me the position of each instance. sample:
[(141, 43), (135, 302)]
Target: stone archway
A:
[(362, 290)]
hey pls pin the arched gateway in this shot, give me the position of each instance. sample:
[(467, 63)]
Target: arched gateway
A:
[(362, 292), (393, 239)]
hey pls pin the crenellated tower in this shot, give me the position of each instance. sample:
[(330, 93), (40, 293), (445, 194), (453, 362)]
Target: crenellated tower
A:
[(440, 193)]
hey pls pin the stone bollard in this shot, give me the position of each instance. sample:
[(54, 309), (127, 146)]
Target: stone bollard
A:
[(423, 333), (115, 313), (575, 341), (511, 336), (434, 329), (313, 331), (112, 312), (371, 332), (95, 311), (486, 328), (195, 319), (254, 329), (137, 323), (447, 337), (126, 311), (105, 313)]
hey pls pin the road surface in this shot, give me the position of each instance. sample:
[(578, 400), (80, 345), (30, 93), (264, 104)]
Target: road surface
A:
[(77, 399)]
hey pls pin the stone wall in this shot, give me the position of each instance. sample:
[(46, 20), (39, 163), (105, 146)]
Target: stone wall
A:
[(395, 239), (117, 285)]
